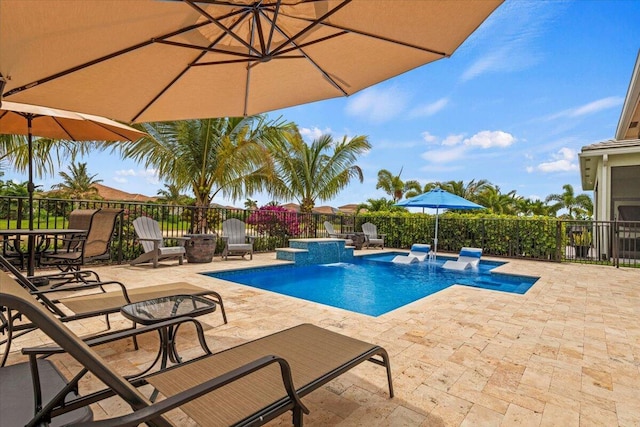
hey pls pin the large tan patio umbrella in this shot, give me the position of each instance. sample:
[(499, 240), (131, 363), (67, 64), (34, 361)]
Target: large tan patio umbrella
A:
[(32, 120), (152, 60)]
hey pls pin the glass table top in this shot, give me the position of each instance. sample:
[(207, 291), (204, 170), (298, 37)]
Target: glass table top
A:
[(164, 308)]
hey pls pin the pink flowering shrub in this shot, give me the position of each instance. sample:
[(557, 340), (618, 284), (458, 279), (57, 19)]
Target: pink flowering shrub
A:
[(275, 221)]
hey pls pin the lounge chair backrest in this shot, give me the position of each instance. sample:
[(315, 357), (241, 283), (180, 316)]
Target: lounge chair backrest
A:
[(147, 228), (15, 297), (28, 286), (100, 233), (79, 219), (370, 230), (329, 227), (470, 255), (235, 230)]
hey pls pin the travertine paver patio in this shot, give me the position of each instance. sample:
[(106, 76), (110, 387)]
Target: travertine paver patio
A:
[(565, 354)]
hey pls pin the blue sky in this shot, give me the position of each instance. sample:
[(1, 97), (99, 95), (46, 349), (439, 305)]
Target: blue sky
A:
[(513, 105)]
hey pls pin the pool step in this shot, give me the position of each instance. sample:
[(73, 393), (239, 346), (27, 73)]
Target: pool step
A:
[(315, 251)]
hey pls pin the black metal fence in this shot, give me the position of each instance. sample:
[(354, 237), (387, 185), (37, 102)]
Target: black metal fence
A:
[(549, 239)]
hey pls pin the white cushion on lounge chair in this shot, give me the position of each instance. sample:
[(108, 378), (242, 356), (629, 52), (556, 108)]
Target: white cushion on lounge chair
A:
[(468, 258), (404, 259), (419, 251), (456, 265)]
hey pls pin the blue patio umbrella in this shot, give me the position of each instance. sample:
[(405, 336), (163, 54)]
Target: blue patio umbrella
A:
[(438, 199)]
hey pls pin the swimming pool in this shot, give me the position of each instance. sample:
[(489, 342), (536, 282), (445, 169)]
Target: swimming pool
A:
[(371, 284)]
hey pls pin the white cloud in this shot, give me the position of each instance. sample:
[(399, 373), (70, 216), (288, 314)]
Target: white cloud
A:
[(507, 41), (489, 139), (150, 175), (589, 108), (451, 140), (427, 110), (565, 160), (445, 155), (428, 138), (455, 147), (378, 104), (309, 134)]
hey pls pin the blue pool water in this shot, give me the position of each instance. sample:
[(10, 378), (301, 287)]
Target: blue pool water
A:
[(372, 284)]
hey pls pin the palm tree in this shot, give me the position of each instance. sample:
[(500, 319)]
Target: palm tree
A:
[(313, 172), (469, 191), (380, 205), (250, 204), (491, 198), (209, 156), (579, 205), (47, 153), (77, 184), (394, 186), (171, 195)]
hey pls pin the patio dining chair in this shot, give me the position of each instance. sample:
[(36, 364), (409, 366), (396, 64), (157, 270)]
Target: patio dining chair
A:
[(236, 241), (250, 384), (153, 242), (94, 246)]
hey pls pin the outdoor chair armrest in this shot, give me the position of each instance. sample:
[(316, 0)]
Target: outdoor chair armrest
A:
[(382, 235), (80, 276), (251, 239), (86, 286), (119, 335), (153, 411), (149, 239)]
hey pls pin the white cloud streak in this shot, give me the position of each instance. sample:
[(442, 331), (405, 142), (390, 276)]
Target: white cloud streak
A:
[(378, 104), (427, 110), (565, 160)]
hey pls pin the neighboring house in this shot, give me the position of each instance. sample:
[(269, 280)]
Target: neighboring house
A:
[(109, 193), (612, 168)]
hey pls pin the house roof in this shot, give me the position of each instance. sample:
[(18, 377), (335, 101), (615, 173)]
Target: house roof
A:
[(110, 193), (627, 138), (590, 153), (629, 123)]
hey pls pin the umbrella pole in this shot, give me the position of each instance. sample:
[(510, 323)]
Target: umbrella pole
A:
[(435, 241), (30, 188)]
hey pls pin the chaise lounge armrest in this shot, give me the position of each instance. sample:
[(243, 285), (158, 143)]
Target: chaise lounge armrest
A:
[(155, 410), (110, 337)]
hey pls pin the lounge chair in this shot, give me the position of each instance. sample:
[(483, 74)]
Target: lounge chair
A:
[(331, 233), (102, 302), (418, 253), (372, 237), (96, 245), (468, 258), (250, 384), (152, 241), (234, 235)]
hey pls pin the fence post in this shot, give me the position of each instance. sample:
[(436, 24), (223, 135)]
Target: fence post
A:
[(559, 247)]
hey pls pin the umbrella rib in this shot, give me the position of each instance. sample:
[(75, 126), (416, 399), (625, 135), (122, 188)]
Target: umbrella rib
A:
[(276, 13), (102, 59), (311, 25), (215, 21), (55, 119), (375, 36), (307, 57), (258, 26), (206, 49), (177, 77)]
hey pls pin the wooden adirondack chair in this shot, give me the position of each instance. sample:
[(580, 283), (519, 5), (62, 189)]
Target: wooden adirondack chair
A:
[(234, 235), (153, 242)]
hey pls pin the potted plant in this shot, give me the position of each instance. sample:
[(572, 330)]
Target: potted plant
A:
[(582, 242)]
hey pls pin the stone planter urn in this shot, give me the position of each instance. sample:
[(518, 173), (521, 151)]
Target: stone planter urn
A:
[(200, 247)]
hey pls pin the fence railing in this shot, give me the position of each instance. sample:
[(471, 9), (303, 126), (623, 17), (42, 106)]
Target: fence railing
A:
[(549, 239)]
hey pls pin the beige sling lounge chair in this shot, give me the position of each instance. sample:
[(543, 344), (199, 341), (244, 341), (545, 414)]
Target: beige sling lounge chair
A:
[(250, 384), (100, 302), (152, 241)]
